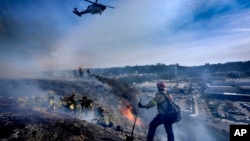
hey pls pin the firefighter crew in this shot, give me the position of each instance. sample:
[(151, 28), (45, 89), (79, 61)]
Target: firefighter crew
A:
[(160, 118)]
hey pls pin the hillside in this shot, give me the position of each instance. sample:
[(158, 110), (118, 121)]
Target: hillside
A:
[(26, 112), (24, 105)]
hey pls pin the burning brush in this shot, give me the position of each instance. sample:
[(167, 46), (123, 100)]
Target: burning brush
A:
[(127, 112)]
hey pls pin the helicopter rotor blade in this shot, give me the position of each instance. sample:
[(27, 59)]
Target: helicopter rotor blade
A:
[(109, 6), (90, 1), (97, 1)]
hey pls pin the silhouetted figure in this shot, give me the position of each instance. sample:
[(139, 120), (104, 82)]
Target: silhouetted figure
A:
[(80, 72), (71, 99), (100, 111), (86, 104), (162, 117), (83, 102), (89, 73), (68, 102), (51, 100), (101, 118)]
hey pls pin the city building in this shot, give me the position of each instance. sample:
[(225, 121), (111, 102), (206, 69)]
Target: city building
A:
[(234, 89)]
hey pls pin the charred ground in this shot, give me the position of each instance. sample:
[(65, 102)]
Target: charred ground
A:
[(23, 117), (26, 114)]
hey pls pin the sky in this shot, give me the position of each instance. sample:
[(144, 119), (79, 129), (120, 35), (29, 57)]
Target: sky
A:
[(38, 35)]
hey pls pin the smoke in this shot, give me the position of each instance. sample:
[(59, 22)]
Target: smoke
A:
[(20, 88), (90, 116), (28, 32), (34, 95), (187, 129), (45, 35)]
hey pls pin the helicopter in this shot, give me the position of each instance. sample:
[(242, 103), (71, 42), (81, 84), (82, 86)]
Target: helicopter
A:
[(94, 8)]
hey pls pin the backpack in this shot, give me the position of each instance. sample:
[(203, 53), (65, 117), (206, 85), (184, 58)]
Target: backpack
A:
[(173, 109)]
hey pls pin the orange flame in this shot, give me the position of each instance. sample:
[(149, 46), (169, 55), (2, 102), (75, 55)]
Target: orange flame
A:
[(127, 112)]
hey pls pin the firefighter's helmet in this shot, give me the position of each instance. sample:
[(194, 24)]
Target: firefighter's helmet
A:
[(161, 85)]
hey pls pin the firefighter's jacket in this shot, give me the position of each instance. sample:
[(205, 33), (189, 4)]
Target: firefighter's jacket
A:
[(160, 101)]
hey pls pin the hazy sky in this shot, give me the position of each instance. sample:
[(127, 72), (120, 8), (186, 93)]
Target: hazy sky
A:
[(45, 34)]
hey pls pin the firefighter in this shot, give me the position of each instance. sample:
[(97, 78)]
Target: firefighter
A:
[(89, 104), (51, 100), (83, 102), (100, 112), (102, 120), (89, 73), (86, 104), (160, 118), (78, 107), (61, 103), (71, 102), (81, 72)]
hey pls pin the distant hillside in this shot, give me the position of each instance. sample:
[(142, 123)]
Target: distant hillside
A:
[(171, 70)]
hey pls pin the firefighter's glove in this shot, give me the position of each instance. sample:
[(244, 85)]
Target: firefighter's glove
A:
[(141, 106)]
